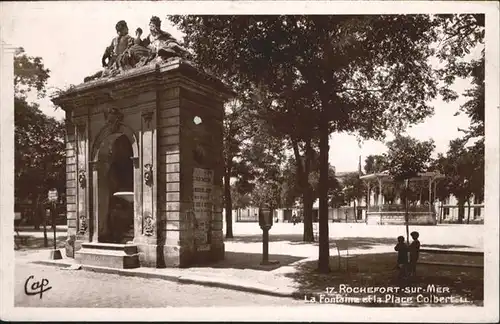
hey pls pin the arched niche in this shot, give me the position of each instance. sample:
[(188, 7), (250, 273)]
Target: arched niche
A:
[(106, 162)]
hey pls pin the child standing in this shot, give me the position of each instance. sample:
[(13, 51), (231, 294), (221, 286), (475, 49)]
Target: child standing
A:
[(414, 253), (402, 250)]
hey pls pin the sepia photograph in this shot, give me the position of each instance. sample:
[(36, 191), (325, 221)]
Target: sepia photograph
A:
[(250, 160)]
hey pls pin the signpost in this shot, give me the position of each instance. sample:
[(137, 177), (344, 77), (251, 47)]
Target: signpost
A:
[(52, 197), (266, 222), (406, 213), (45, 218)]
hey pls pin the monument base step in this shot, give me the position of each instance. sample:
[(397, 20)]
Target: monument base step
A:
[(121, 256)]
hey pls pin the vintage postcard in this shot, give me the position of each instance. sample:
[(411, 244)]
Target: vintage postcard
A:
[(250, 160)]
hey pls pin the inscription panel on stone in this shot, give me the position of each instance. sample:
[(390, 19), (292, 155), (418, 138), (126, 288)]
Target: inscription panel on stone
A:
[(202, 204)]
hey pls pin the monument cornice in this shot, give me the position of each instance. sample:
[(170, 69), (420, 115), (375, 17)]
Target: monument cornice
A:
[(187, 69), (138, 80)]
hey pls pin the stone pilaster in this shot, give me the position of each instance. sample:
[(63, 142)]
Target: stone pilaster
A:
[(172, 212), (81, 174), (71, 194), (147, 221)]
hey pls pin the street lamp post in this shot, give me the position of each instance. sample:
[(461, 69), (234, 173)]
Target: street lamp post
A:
[(55, 254), (265, 223)]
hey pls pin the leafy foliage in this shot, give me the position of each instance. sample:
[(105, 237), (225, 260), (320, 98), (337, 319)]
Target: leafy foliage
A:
[(408, 156), (369, 71), (40, 151), (239, 198), (353, 187), (29, 74), (464, 171), (236, 132), (267, 157), (251, 155), (375, 163), (475, 105), (461, 35), (363, 74), (461, 53), (39, 139)]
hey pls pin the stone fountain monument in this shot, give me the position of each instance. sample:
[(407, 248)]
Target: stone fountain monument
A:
[(144, 160)]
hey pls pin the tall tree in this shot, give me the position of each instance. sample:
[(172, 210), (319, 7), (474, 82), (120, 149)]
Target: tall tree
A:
[(375, 163), (462, 36), (407, 157), (269, 181), (39, 139), (464, 175), (240, 197), (353, 189), (337, 195), (441, 186), (462, 51), (290, 190), (358, 73), (30, 75), (238, 130)]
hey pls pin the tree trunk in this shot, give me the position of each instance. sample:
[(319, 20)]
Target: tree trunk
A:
[(461, 211), (228, 204), (367, 204), (36, 213), (406, 184), (307, 198), (303, 169), (346, 212), (324, 241), (441, 211), (468, 211), (44, 222), (355, 212)]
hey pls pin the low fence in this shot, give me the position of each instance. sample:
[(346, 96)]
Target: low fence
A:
[(398, 218), (400, 208)]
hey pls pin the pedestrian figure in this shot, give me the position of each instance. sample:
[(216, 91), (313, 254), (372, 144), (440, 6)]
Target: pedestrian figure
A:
[(402, 261), (414, 253), (294, 219)]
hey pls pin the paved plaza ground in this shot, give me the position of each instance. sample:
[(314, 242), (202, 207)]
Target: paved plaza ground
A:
[(361, 237), (90, 289), (294, 276)]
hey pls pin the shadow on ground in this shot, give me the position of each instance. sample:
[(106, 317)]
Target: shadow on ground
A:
[(23, 229), (272, 238), (444, 246), (362, 243), (31, 242), (296, 239), (241, 260), (378, 270)]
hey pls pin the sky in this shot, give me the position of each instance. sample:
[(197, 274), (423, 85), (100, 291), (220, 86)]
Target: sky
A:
[(71, 37)]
